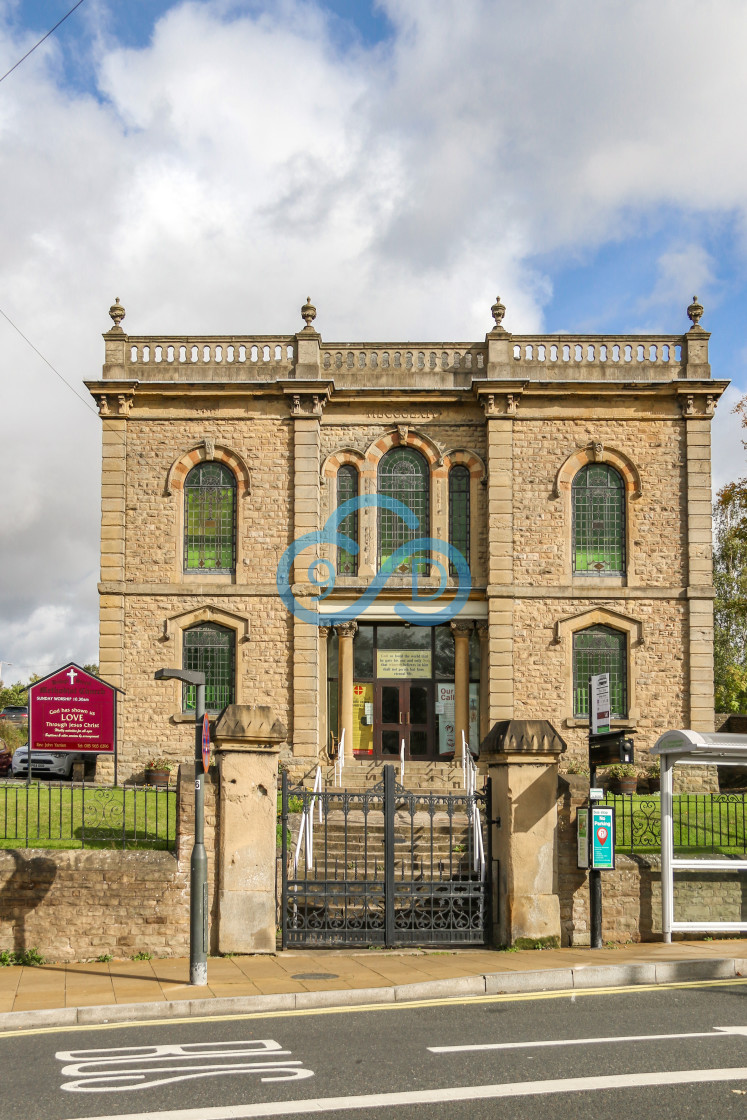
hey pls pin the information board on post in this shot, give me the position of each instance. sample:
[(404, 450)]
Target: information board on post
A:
[(72, 710), (602, 838), (582, 837), (599, 704)]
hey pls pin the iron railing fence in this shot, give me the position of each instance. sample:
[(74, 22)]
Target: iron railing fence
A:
[(83, 815), (713, 824)]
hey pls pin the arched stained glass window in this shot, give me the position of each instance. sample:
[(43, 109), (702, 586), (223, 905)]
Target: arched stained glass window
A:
[(209, 518), (347, 487), (210, 649), (598, 496), (600, 649), (403, 474), (459, 511)]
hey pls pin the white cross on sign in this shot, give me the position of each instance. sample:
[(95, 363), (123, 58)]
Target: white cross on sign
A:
[(72, 674)]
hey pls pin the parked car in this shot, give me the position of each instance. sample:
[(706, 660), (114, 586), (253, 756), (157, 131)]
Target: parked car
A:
[(6, 760), (14, 713), (45, 764)]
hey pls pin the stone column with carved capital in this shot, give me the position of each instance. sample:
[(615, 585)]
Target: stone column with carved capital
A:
[(461, 629), (346, 633)]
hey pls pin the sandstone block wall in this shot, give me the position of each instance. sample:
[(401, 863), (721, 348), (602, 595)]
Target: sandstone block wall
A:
[(76, 905)]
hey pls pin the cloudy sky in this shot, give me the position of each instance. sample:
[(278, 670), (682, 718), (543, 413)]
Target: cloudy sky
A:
[(403, 161)]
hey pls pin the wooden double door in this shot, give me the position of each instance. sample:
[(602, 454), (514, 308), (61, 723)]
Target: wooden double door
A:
[(404, 710)]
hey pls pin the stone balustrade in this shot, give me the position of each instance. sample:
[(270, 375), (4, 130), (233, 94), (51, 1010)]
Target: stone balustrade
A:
[(463, 357), (277, 357), (143, 350), (594, 356)]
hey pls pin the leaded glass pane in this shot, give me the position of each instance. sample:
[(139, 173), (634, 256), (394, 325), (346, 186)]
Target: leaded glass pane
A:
[(209, 649), (403, 474), (209, 518), (459, 511), (599, 649), (347, 487), (598, 496)]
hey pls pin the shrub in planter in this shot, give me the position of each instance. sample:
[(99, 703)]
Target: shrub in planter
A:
[(158, 771), (653, 774), (624, 777)]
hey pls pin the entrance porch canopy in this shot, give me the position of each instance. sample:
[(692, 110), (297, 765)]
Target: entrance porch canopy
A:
[(692, 748)]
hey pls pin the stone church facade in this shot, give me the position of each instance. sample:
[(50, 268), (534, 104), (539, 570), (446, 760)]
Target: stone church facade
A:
[(571, 472)]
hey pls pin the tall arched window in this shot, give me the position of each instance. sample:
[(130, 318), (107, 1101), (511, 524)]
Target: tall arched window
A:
[(209, 519), (347, 487), (210, 649), (598, 498), (403, 474), (459, 510), (600, 649)]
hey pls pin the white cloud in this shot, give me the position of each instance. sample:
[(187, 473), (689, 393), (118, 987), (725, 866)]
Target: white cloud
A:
[(237, 163)]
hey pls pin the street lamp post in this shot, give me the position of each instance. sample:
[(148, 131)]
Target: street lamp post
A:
[(198, 904)]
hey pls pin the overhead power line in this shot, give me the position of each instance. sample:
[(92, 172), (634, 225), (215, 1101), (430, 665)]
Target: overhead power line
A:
[(57, 373), (50, 32)]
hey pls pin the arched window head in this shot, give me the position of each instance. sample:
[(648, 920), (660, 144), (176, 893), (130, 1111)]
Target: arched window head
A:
[(403, 474), (347, 487), (209, 519), (210, 649), (598, 499), (600, 649), (459, 511)]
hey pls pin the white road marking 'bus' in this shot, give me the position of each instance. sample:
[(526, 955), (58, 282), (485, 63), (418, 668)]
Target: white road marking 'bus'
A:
[(440, 1096), (717, 1032), (126, 1068)]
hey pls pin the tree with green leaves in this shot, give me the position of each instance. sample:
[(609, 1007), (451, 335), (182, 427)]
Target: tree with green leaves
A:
[(730, 582)]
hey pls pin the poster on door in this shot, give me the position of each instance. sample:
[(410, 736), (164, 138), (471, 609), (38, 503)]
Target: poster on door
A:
[(363, 717), (445, 717)]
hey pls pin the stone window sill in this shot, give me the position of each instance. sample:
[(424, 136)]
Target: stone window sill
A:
[(616, 724)]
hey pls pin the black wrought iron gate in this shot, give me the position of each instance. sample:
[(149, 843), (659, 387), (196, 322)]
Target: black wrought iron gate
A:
[(384, 866)]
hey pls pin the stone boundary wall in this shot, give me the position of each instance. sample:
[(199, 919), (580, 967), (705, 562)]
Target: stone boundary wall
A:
[(77, 904)]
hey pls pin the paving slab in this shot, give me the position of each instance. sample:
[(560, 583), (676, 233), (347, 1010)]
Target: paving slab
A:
[(126, 990)]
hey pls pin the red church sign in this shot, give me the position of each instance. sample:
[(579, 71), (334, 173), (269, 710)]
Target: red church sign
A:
[(71, 710)]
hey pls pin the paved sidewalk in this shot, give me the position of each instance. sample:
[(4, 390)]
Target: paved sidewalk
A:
[(124, 990)]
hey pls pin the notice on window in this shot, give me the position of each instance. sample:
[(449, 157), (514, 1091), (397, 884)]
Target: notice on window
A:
[(403, 664), (445, 710), (363, 718), (599, 689), (445, 693)]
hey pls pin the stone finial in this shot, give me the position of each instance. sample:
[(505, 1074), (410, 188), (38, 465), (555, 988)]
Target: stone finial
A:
[(498, 310), (694, 313), (308, 314), (117, 313)]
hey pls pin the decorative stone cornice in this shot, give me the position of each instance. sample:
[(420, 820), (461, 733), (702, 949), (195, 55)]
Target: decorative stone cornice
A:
[(307, 401), (115, 404), (698, 403), (501, 401)]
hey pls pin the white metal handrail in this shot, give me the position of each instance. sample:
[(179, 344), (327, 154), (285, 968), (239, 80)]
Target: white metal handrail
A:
[(340, 760), (306, 830)]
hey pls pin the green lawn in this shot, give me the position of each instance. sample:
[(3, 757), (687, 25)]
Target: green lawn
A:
[(47, 815), (703, 824)]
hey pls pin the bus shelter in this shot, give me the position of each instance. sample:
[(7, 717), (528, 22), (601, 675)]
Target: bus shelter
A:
[(693, 748)]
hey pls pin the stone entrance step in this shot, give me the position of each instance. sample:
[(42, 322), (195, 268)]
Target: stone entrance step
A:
[(420, 777)]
